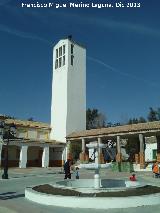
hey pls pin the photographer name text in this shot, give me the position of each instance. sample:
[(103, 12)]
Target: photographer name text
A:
[(82, 5)]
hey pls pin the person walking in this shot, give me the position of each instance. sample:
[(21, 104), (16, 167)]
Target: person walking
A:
[(67, 172), (155, 170), (77, 172)]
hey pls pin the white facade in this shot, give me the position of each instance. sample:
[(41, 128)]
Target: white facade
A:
[(32, 133), (23, 157), (149, 151), (45, 157), (68, 107)]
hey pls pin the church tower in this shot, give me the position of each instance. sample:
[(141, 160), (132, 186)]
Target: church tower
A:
[(68, 107)]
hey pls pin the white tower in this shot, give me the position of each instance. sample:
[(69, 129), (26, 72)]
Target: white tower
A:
[(68, 107)]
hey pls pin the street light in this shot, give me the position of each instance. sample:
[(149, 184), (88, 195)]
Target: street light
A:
[(7, 131)]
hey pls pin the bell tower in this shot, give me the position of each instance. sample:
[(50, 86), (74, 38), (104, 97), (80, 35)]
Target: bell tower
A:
[(68, 106)]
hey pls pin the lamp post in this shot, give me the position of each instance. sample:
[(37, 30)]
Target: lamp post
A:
[(7, 131)]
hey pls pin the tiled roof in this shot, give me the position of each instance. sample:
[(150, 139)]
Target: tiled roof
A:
[(34, 141), (149, 126), (28, 124)]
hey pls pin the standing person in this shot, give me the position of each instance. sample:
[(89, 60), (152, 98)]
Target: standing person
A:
[(155, 170), (77, 172), (67, 172), (133, 177)]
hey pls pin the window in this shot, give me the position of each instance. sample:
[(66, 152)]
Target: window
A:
[(72, 48), (60, 51), (72, 59), (154, 154), (56, 64), (63, 49), (63, 60), (72, 54), (60, 57), (60, 61), (56, 53)]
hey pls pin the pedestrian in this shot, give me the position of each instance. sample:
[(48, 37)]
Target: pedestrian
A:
[(132, 177), (156, 170), (67, 172), (77, 172)]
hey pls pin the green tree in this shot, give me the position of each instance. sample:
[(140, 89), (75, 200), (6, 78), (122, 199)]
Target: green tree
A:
[(141, 120), (137, 120), (94, 119), (100, 120), (152, 115), (133, 121), (75, 149), (30, 119), (158, 113), (10, 117), (130, 121), (109, 124)]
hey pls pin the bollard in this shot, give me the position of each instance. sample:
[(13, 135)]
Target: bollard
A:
[(96, 181)]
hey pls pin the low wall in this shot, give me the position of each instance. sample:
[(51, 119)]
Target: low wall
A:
[(104, 183), (92, 202)]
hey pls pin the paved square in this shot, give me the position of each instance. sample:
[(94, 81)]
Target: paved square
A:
[(12, 190)]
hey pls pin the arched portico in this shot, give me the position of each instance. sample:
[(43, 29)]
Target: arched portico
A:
[(135, 135), (34, 156), (13, 155)]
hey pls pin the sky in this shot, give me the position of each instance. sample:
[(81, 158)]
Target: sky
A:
[(123, 56)]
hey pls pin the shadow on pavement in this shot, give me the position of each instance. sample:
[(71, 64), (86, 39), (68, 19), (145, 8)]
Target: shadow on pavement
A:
[(10, 195), (5, 193)]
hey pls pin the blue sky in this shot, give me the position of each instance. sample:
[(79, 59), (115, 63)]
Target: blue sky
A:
[(123, 50)]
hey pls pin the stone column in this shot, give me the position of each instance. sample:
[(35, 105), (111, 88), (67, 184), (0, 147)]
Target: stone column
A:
[(101, 157), (23, 156), (83, 156), (137, 158), (119, 155), (1, 147), (141, 153), (45, 157), (136, 154), (63, 156), (158, 148), (69, 154)]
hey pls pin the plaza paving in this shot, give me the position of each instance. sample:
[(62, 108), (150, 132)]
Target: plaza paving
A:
[(12, 190)]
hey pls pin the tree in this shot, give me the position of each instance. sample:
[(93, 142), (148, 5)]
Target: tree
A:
[(90, 116), (133, 121), (158, 113), (137, 120), (30, 119), (130, 121), (10, 117), (94, 119), (141, 120), (75, 149), (109, 124), (152, 115), (100, 120)]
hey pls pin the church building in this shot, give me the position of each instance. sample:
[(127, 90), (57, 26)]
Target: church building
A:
[(68, 108), (44, 145), (41, 144)]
